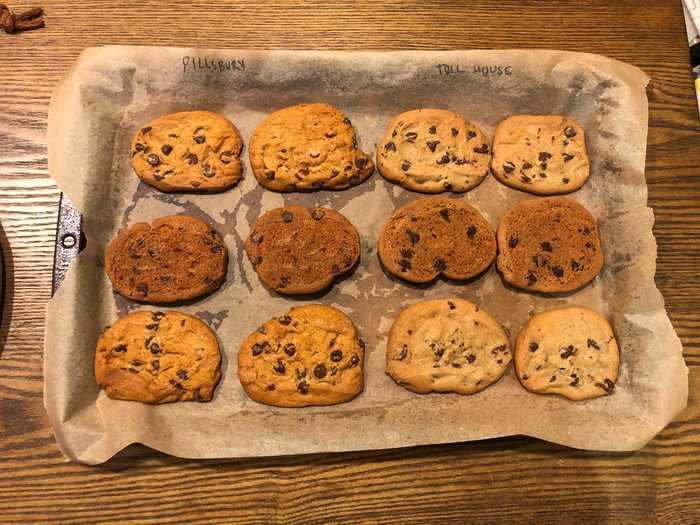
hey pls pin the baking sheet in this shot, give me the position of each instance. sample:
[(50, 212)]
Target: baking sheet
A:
[(110, 92)]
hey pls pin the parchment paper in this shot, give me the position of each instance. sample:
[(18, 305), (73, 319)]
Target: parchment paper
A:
[(110, 92)]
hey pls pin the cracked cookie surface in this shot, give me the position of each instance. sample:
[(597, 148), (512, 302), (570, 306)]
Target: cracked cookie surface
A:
[(157, 357), (446, 345), (549, 245), (432, 151), (540, 154), (174, 258), (435, 236), (569, 351), (308, 147), (188, 151), (310, 356), (298, 250)]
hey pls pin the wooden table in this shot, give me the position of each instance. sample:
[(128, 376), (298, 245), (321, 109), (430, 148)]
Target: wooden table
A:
[(514, 480)]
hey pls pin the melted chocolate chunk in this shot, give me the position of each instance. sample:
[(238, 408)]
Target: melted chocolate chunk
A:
[(279, 367), (558, 271), (432, 144), (146, 129), (360, 162), (192, 159), (336, 356), (406, 252), (471, 231), (592, 344), (405, 165), (284, 320), (471, 358), (444, 159), (569, 131), (445, 214), (455, 132), (119, 349), (508, 167), (512, 242), (154, 348), (389, 146), (405, 265), (567, 157), (166, 149), (545, 247), (153, 159), (440, 265), (533, 347), (575, 265), (484, 148), (413, 237), (290, 349), (544, 156), (451, 305), (531, 278), (432, 130), (257, 349), (143, 288), (568, 352), (320, 371), (565, 180), (471, 134), (303, 387), (411, 136), (182, 374), (200, 139), (354, 361)]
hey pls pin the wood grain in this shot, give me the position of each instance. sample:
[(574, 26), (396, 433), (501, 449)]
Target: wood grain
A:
[(513, 480)]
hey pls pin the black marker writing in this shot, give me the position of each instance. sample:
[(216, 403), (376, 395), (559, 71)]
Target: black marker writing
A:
[(485, 70), (193, 64)]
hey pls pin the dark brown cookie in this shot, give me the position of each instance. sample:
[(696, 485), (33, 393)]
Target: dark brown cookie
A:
[(434, 236), (298, 250), (549, 245), (175, 258)]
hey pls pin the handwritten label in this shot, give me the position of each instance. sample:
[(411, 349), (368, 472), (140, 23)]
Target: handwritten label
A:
[(484, 70), (194, 64)]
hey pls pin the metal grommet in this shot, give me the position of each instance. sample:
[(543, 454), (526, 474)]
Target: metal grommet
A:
[(68, 241)]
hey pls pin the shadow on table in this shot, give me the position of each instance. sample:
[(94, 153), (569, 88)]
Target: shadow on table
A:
[(7, 288)]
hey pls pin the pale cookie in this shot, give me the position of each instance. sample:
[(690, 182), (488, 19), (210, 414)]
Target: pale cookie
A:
[(446, 345), (188, 151), (436, 236), (433, 150), (298, 250), (311, 356), (549, 245), (308, 147), (569, 351), (541, 154), (157, 357)]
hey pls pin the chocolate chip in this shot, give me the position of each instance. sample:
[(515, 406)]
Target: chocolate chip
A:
[(320, 371), (182, 374), (432, 144), (285, 320), (290, 349), (199, 139), (271, 387), (544, 156), (336, 356), (405, 165), (154, 348), (146, 129), (531, 278), (270, 174), (512, 242), (575, 265), (192, 159), (405, 265), (143, 288), (335, 270), (440, 265), (568, 352), (533, 347), (354, 361), (158, 177), (565, 180), (284, 282), (331, 133), (153, 326), (287, 216), (166, 149), (257, 349), (447, 186), (153, 159), (279, 367), (403, 353), (546, 247), (195, 184), (558, 271), (389, 146), (471, 134), (508, 167), (224, 157), (592, 344), (471, 358), (314, 154), (139, 147), (484, 148), (303, 387), (406, 252), (119, 349), (445, 214), (575, 382), (451, 305), (567, 157), (432, 130), (455, 132), (413, 237), (155, 364), (569, 131), (317, 214), (471, 231), (552, 379), (527, 165), (444, 159), (360, 162), (543, 166), (346, 120), (411, 136)]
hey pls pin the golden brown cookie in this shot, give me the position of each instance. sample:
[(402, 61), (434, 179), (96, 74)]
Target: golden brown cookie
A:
[(175, 258), (308, 147), (541, 154), (157, 357), (433, 150), (311, 356), (446, 345), (549, 245), (188, 151), (569, 351), (436, 236), (298, 250)]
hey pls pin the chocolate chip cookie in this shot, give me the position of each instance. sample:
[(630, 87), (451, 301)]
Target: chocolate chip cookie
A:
[(569, 351), (188, 151), (446, 345), (310, 356), (308, 147), (298, 250), (549, 245), (433, 150), (175, 258), (157, 357), (436, 236), (541, 154)]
